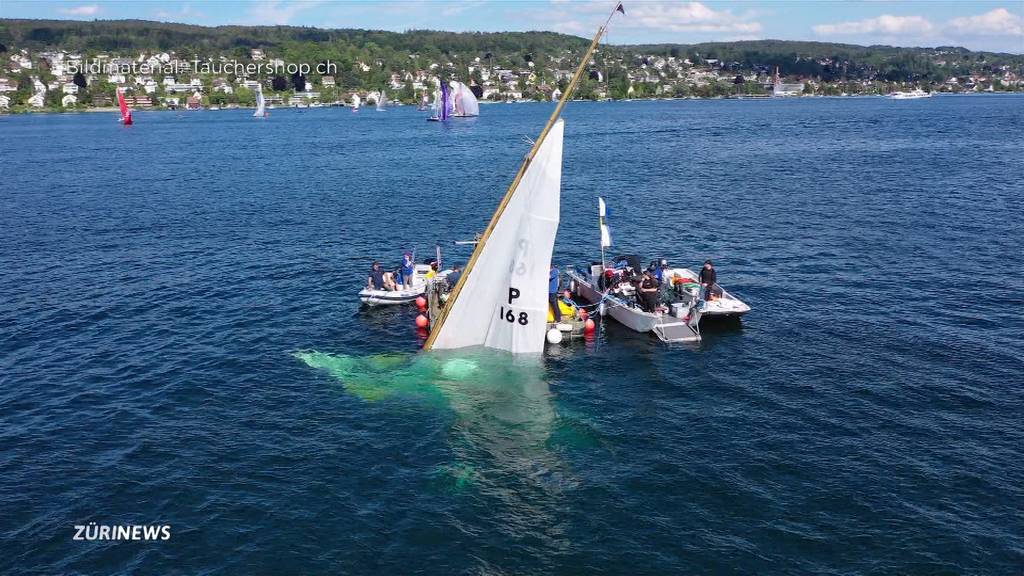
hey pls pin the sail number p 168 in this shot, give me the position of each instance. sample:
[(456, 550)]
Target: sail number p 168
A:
[(509, 315)]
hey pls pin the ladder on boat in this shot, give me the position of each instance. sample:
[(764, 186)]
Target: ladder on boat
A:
[(676, 330)]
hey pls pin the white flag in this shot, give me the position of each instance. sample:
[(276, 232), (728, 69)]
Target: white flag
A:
[(606, 237), (600, 207)]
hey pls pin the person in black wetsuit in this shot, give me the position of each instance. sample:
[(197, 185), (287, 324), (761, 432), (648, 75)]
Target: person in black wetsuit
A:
[(647, 292), (708, 278), (375, 281)]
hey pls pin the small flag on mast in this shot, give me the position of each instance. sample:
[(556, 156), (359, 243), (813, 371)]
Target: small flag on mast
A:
[(602, 211), (619, 8)]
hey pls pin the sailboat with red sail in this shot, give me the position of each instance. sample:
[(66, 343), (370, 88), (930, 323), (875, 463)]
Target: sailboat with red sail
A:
[(126, 114)]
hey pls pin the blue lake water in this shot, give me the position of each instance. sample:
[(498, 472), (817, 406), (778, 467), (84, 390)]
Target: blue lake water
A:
[(158, 282)]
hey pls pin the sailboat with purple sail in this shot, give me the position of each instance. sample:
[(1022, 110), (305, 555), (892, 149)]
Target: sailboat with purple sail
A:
[(441, 104)]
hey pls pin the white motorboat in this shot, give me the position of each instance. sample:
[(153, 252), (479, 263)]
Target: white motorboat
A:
[(912, 95), (722, 305), (677, 318), (404, 295)]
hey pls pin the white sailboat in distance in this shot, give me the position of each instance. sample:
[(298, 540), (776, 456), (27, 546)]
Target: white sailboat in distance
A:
[(500, 301), (382, 101), (261, 109)]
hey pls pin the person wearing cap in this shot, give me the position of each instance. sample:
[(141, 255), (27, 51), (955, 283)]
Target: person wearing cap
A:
[(375, 281), (708, 278), (660, 269), (408, 270)]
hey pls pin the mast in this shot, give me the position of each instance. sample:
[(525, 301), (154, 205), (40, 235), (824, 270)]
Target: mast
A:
[(443, 314)]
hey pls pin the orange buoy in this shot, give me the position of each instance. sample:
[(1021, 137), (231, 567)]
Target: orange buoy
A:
[(421, 303), (589, 326), (421, 321)]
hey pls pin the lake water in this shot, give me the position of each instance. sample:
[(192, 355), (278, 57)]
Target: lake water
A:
[(181, 344)]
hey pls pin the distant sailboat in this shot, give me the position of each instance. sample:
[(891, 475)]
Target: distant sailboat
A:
[(126, 114), (501, 299), (441, 104), (355, 102), (382, 101), (464, 102), (261, 109)]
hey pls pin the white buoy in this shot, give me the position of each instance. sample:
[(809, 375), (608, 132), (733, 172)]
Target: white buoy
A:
[(600, 309), (554, 336)]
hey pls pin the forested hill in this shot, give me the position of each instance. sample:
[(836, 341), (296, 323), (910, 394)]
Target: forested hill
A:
[(503, 48)]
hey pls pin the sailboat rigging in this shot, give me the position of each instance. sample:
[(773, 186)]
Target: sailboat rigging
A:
[(506, 279)]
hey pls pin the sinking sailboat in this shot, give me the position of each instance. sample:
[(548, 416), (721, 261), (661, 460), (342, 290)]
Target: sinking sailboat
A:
[(382, 101), (126, 114), (501, 299), (355, 102), (261, 108)]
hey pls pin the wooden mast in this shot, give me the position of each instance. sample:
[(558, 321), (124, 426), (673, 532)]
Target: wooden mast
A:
[(435, 328)]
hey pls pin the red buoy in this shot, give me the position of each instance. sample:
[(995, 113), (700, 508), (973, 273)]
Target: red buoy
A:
[(421, 303), (589, 326), (583, 314), (421, 321)]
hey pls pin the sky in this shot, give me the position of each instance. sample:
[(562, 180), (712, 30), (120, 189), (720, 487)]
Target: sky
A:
[(976, 24)]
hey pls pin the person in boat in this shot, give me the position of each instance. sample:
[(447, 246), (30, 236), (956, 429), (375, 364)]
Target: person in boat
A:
[(453, 276), (408, 269), (647, 292), (708, 279), (553, 293), (660, 267), (432, 272), (375, 281), (389, 281)]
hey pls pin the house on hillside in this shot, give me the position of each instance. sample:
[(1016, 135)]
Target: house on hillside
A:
[(69, 100)]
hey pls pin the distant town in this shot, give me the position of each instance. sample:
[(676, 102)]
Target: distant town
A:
[(55, 78)]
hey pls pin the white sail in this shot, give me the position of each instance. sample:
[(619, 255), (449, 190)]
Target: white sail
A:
[(382, 101), (260, 105), (503, 303), (355, 101), (464, 101)]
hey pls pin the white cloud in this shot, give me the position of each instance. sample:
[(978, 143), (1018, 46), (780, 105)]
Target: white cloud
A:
[(884, 25), (87, 10), (998, 30), (687, 17), (276, 12), (186, 12), (998, 22), (647, 17)]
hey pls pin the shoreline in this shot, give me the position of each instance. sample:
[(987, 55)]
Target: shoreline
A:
[(115, 109)]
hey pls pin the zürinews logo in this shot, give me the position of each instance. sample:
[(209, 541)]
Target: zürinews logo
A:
[(94, 531)]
